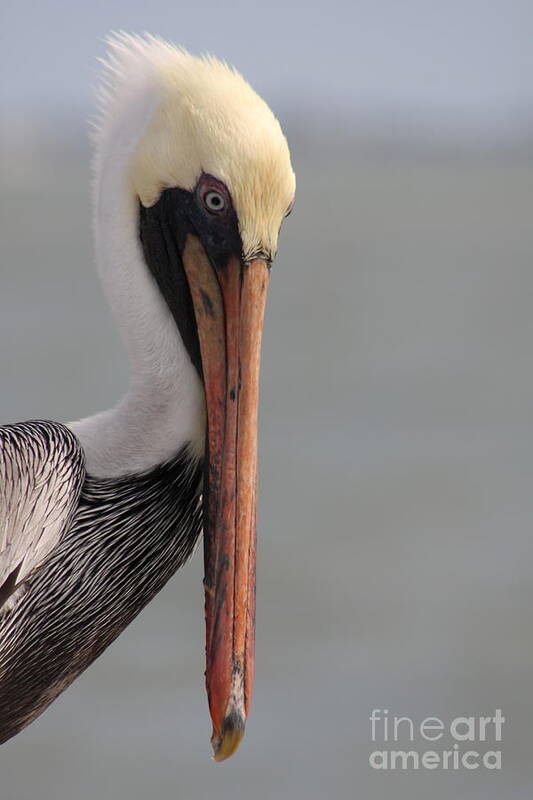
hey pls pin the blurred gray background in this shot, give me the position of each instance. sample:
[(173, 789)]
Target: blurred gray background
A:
[(395, 557)]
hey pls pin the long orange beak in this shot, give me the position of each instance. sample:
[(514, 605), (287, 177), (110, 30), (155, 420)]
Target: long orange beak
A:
[(229, 307)]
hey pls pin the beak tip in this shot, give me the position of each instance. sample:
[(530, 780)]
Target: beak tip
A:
[(227, 742)]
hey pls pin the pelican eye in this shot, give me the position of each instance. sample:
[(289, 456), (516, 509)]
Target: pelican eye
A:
[(214, 201)]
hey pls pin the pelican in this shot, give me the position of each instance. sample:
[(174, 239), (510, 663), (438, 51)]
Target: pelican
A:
[(192, 180)]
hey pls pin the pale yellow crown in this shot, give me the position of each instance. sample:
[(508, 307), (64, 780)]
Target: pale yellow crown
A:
[(206, 118)]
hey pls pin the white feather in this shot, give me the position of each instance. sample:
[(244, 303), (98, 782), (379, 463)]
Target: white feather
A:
[(164, 407)]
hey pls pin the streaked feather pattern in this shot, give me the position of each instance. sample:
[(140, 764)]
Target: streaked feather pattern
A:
[(126, 538), (41, 475)]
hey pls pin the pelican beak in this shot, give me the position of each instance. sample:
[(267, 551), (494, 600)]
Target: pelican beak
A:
[(229, 305)]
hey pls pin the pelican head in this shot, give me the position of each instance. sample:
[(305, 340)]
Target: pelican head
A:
[(188, 150)]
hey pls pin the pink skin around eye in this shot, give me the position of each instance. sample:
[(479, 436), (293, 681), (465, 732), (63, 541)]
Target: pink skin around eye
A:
[(208, 184)]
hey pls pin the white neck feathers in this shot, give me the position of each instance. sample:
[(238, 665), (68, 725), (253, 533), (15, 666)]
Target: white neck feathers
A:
[(164, 408)]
